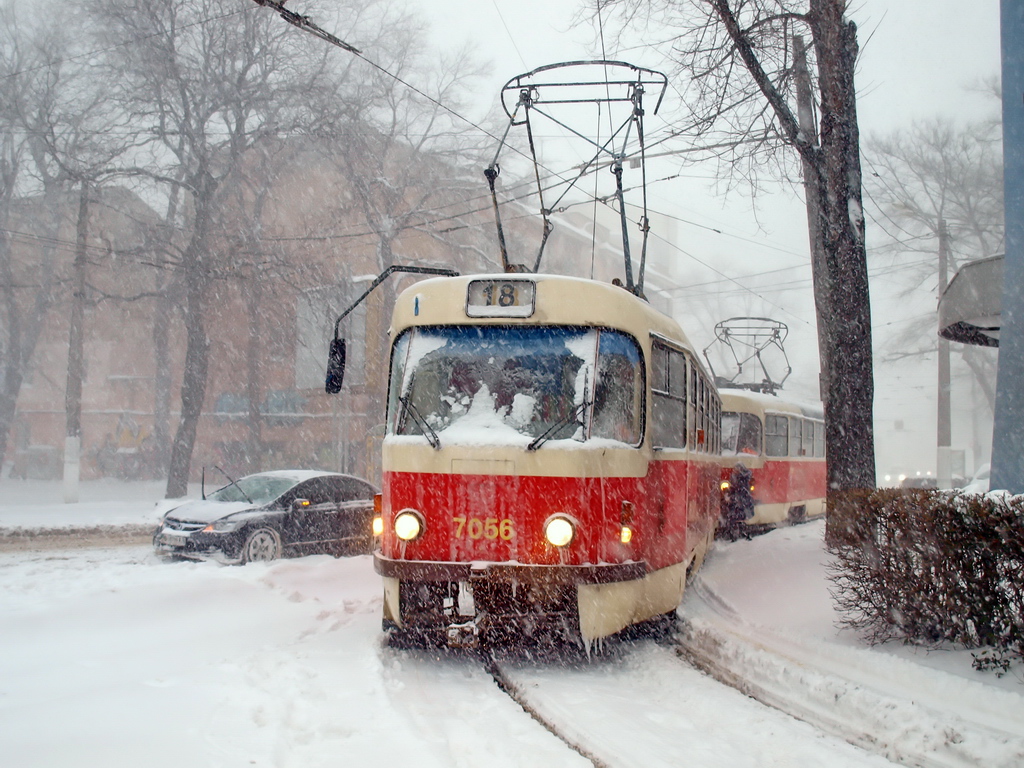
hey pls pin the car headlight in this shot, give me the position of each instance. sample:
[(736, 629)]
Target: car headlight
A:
[(378, 525), (222, 526), (559, 531), (408, 525)]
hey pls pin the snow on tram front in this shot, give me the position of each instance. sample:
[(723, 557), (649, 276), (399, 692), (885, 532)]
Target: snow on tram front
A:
[(550, 464)]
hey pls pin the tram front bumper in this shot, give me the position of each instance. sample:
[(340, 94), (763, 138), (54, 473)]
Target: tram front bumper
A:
[(554, 575), (460, 602)]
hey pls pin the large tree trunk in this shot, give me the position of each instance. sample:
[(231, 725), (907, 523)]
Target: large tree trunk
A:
[(253, 294), (76, 358), (193, 388), (23, 328), (11, 375), (832, 171), (197, 351), (162, 371), (163, 312), (849, 401)]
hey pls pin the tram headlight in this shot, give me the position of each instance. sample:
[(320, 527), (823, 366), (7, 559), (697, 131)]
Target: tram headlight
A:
[(559, 531), (625, 534), (408, 525), (724, 485)]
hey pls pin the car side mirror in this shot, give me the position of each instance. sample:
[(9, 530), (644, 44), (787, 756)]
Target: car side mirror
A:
[(335, 367), (300, 504)]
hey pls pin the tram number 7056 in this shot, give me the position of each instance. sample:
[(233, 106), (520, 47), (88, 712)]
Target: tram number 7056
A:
[(487, 528)]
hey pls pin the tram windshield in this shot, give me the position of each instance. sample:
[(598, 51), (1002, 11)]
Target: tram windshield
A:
[(525, 384)]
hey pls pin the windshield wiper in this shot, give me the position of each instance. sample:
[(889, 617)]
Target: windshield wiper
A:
[(575, 415), (231, 480), (426, 429)]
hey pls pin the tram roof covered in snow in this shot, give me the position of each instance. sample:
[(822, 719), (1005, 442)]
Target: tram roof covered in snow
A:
[(553, 300)]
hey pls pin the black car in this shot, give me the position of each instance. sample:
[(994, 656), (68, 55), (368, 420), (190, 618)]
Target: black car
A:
[(270, 515)]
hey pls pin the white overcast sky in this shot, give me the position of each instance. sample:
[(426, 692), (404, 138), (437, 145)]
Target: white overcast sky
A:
[(917, 55)]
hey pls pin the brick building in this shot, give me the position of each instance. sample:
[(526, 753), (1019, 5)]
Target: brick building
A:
[(271, 312)]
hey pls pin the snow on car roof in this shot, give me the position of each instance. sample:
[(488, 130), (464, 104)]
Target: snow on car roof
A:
[(294, 474)]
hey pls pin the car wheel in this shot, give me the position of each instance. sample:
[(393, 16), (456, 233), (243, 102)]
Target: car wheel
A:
[(261, 544)]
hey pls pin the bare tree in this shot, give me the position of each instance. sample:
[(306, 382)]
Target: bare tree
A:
[(938, 172), (934, 183), (404, 155), (13, 146), (738, 64), (400, 148), (207, 79), (29, 284), (74, 138)]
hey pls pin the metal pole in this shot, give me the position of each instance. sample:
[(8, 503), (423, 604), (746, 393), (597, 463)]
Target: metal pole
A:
[(76, 358), (819, 272), (944, 431), (617, 170), (1008, 431)]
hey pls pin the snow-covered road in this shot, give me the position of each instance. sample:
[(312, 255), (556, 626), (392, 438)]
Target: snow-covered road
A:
[(112, 656)]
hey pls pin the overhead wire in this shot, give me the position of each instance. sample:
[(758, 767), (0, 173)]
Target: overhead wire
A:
[(509, 33)]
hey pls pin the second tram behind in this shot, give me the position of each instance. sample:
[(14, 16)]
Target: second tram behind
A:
[(782, 444), (551, 462)]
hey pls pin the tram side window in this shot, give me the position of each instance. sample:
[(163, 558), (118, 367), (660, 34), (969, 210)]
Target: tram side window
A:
[(705, 414), (795, 436), (668, 398), (617, 389), (807, 446), (711, 419), (716, 424), (776, 435), (819, 439), (692, 406), (741, 434)]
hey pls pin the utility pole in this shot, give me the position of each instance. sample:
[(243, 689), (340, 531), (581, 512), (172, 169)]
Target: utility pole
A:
[(1008, 431), (76, 358), (943, 458), (819, 272)]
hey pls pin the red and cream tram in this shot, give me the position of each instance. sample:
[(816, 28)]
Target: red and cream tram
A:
[(783, 446), (551, 460)]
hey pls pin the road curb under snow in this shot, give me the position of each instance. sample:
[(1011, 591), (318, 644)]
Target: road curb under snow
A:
[(881, 703), (83, 537)]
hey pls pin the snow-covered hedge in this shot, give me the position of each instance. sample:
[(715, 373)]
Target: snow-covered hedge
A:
[(930, 566)]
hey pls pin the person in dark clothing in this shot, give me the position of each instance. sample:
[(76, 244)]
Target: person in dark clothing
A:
[(737, 504)]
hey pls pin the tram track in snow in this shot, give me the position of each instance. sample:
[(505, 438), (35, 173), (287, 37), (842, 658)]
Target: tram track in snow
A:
[(494, 669), (879, 703), (642, 704)]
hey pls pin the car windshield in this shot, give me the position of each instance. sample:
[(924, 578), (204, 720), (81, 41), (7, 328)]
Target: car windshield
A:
[(496, 383), (260, 489)]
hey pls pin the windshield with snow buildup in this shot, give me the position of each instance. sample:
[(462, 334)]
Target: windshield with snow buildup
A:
[(500, 384), (260, 489)]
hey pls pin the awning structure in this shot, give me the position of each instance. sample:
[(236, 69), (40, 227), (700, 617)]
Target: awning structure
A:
[(970, 307)]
